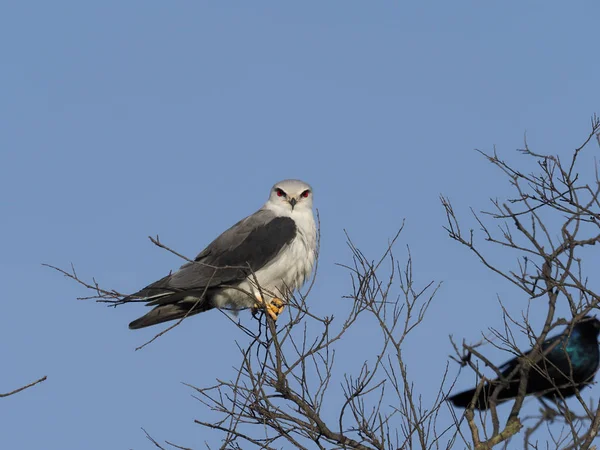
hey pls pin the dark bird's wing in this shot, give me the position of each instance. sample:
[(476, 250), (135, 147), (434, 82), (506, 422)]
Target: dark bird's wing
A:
[(247, 246)]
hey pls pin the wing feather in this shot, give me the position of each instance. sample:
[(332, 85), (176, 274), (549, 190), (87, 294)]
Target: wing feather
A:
[(247, 246)]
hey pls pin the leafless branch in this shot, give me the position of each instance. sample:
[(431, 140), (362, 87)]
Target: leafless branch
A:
[(23, 387)]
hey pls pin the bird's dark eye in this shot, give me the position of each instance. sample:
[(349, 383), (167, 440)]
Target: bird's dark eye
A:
[(280, 192), (306, 193)]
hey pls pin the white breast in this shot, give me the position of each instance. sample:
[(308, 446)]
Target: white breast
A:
[(285, 274)]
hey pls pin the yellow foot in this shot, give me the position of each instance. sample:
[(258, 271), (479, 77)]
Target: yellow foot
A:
[(273, 308)]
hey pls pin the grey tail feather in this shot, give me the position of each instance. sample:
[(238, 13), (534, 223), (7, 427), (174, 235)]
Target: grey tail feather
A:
[(162, 314)]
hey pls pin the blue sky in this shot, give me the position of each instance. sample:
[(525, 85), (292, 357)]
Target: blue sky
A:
[(120, 120)]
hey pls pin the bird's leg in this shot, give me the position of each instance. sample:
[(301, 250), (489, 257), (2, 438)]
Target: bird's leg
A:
[(273, 308)]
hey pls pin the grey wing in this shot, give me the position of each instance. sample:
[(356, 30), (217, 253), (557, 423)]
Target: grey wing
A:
[(247, 246)]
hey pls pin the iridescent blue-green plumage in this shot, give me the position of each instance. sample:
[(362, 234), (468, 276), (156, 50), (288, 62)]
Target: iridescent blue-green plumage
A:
[(569, 366)]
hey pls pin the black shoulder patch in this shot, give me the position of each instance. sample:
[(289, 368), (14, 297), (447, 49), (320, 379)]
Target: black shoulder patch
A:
[(261, 245)]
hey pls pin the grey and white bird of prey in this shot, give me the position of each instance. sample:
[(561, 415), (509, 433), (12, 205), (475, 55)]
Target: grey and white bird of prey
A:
[(256, 263)]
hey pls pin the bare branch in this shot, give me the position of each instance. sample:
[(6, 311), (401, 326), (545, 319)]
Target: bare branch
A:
[(24, 387)]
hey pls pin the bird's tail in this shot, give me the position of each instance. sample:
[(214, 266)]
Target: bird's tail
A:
[(163, 313), (463, 399)]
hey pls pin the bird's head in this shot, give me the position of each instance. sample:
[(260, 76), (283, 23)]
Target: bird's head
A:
[(291, 196)]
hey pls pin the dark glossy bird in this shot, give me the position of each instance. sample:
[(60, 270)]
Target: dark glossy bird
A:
[(568, 367)]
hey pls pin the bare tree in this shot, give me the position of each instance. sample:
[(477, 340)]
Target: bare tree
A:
[(279, 396), (549, 223)]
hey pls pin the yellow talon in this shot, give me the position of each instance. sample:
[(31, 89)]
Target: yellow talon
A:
[(273, 308)]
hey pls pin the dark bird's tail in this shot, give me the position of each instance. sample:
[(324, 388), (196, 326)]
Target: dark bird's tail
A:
[(163, 313), (463, 399)]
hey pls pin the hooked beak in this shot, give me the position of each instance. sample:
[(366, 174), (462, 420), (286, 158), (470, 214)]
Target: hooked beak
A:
[(293, 202)]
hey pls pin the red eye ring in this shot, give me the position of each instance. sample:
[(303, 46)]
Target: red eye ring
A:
[(306, 193)]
